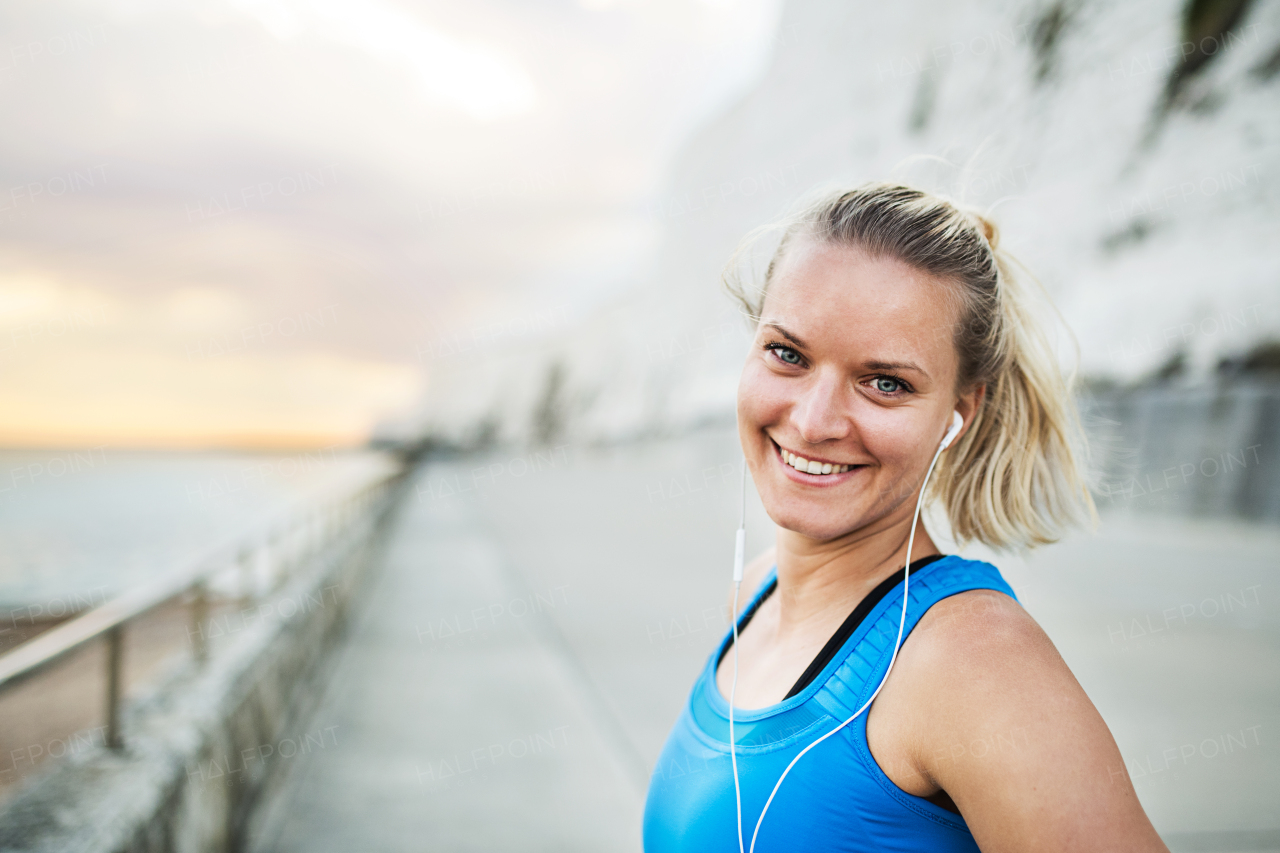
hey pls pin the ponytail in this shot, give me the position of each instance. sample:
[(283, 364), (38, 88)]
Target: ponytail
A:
[(1016, 479)]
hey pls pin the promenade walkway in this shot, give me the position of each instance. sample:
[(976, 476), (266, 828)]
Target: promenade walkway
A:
[(459, 719), (539, 619)]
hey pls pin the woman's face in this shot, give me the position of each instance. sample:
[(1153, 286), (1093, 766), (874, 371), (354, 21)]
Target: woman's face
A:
[(853, 367)]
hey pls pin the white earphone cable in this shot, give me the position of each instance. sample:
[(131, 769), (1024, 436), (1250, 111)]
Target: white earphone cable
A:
[(733, 752), (739, 552), (902, 622)]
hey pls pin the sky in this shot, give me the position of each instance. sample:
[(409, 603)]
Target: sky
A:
[(264, 222)]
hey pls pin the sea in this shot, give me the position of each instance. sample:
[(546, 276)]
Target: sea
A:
[(80, 526)]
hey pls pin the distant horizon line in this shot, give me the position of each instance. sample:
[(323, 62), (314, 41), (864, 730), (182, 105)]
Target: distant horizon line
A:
[(238, 442)]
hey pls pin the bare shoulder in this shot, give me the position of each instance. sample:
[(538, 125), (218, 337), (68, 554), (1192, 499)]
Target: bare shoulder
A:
[(976, 665), (752, 574), (991, 714), (985, 630), (980, 655)]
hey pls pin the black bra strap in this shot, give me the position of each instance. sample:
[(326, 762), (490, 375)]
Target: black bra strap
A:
[(843, 633)]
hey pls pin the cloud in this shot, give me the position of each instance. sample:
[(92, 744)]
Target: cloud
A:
[(477, 79), (195, 170)]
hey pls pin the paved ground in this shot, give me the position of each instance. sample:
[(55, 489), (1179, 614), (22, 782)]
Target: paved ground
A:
[(539, 620)]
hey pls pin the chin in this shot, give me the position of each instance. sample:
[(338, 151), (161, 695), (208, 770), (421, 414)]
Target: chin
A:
[(820, 524)]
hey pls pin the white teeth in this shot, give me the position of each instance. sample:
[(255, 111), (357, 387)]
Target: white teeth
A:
[(811, 466)]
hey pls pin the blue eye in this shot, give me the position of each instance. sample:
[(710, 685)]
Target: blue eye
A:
[(786, 354), (888, 385)]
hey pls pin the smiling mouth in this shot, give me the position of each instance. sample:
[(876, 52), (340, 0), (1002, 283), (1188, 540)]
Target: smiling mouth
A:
[(810, 466)]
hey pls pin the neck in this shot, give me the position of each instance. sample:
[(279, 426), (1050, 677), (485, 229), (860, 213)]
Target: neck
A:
[(821, 578)]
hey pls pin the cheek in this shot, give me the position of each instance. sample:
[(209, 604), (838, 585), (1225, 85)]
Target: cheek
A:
[(893, 436), (761, 396)]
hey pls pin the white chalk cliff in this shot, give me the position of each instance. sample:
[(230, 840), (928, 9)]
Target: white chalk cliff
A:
[(1149, 209)]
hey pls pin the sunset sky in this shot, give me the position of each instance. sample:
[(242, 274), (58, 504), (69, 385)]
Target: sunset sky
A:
[(264, 222)]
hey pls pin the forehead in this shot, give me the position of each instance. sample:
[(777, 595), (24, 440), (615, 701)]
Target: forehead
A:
[(842, 297)]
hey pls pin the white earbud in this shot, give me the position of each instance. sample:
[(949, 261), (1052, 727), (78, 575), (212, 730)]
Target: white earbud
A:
[(956, 423)]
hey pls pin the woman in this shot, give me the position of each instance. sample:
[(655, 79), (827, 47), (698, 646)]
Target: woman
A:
[(955, 725)]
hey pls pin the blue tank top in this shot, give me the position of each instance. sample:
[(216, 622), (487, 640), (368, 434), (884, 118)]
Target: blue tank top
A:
[(836, 797)]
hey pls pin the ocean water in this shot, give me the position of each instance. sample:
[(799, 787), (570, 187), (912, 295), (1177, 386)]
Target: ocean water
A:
[(77, 527)]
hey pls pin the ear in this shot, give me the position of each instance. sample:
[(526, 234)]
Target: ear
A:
[(967, 405)]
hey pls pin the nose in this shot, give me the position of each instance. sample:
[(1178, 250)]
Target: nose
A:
[(821, 414)]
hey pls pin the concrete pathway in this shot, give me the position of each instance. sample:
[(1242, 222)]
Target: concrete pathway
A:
[(458, 719), (540, 620)]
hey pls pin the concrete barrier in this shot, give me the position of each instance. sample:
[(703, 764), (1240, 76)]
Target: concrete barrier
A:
[(202, 746)]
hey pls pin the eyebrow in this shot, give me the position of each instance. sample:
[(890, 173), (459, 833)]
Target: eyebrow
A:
[(783, 331), (895, 365)]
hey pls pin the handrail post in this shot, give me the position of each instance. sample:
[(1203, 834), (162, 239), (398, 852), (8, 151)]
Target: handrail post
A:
[(246, 574), (288, 539), (313, 537), (274, 548), (199, 613), (115, 655)]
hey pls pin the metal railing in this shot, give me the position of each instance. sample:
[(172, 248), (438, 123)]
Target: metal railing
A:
[(241, 567)]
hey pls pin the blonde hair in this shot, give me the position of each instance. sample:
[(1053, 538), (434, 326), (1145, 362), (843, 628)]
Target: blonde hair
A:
[(1016, 479)]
